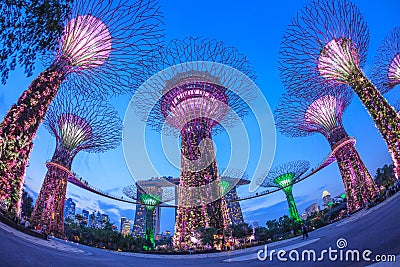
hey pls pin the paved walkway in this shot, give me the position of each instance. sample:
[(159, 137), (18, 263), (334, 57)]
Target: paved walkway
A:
[(67, 247)]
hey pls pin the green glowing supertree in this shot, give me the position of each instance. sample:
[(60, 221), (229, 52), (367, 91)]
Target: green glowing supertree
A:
[(150, 194), (283, 177)]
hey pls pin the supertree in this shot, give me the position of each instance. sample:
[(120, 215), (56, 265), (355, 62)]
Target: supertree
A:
[(326, 43), (78, 124), (151, 197), (322, 113), (103, 50), (284, 176), (200, 92), (385, 71)]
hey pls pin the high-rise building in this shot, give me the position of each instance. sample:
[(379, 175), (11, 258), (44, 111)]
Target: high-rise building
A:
[(69, 209), (85, 215), (326, 198), (123, 219), (126, 227), (255, 224), (312, 209), (233, 207)]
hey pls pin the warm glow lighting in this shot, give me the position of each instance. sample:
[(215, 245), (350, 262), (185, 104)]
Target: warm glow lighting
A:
[(86, 42), (323, 112), (394, 71), (338, 59)]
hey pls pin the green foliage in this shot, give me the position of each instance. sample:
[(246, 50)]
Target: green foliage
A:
[(385, 176), (207, 235), (103, 238), (242, 230), (29, 28), (27, 204)]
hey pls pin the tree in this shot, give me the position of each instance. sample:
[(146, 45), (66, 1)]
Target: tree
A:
[(241, 231), (262, 234), (29, 28), (385, 176), (27, 206), (207, 235)]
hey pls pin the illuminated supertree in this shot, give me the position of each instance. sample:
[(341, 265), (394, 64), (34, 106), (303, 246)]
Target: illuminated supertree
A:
[(150, 195), (283, 177), (199, 93), (323, 113), (385, 71), (103, 50), (78, 124), (326, 43)]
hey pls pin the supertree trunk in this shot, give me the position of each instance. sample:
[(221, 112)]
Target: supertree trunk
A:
[(359, 185), (49, 207), (384, 115), (18, 129), (199, 182), (149, 235), (293, 213)]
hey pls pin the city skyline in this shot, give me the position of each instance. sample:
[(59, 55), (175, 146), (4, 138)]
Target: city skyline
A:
[(256, 30)]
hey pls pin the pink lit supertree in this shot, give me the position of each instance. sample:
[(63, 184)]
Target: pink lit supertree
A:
[(199, 93), (385, 71), (322, 113), (103, 50), (326, 43), (283, 177), (78, 124)]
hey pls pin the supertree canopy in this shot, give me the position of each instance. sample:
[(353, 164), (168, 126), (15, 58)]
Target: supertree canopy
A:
[(78, 124), (385, 71), (326, 43), (103, 50), (201, 91), (322, 113), (284, 176)]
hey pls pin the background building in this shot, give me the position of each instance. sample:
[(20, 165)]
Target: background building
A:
[(326, 198), (126, 226), (69, 209)]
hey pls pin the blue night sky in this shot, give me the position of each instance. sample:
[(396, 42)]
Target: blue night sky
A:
[(255, 28)]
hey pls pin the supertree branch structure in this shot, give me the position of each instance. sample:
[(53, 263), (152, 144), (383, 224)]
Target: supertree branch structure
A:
[(78, 124), (385, 72), (200, 93), (327, 43), (283, 176), (386, 68), (150, 197), (103, 50), (322, 113)]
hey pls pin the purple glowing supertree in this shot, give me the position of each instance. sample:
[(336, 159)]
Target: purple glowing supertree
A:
[(283, 177), (199, 93), (322, 113), (326, 43), (385, 71), (103, 50), (78, 124)]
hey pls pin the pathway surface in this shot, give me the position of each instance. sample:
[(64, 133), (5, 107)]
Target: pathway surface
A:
[(376, 229)]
